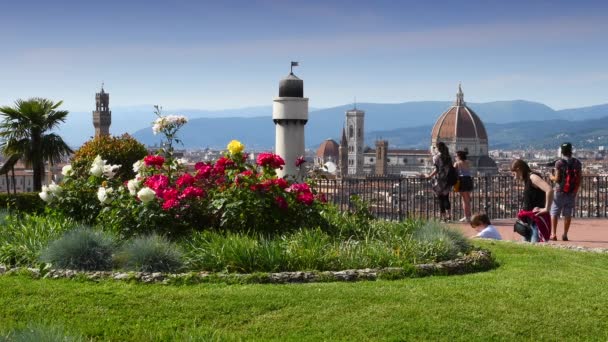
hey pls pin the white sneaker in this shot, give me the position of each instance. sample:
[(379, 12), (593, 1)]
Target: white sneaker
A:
[(464, 219)]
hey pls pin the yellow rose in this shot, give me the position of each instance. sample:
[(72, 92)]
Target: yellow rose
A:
[(235, 147)]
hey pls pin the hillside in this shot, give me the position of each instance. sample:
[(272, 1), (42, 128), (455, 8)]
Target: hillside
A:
[(255, 128)]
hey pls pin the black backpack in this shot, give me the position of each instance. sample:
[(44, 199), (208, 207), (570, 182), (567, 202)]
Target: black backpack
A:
[(523, 228), (569, 176), (452, 176)]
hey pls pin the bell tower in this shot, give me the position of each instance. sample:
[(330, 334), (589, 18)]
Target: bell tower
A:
[(102, 116)]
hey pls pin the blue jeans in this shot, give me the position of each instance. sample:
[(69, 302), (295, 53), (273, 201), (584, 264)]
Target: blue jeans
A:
[(534, 237)]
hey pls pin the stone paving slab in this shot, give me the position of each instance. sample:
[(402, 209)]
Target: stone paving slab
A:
[(585, 232)]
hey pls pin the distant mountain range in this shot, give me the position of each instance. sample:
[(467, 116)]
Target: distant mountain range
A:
[(510, 124)]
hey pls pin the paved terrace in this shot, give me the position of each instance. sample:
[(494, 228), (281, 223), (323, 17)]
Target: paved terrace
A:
[(585, 232)]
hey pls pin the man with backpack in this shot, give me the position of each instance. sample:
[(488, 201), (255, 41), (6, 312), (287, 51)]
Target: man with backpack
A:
[(567, 179)]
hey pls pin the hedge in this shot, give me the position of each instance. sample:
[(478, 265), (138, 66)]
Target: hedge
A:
[(28, 202)]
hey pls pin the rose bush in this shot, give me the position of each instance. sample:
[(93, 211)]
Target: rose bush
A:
[(167, 198)]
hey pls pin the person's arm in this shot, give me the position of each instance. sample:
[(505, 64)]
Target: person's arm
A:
[(544, 186), (556, 175), (430, 175), (579, 178)]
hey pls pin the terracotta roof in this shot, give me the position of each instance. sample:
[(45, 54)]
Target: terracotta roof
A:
[(459, 122), (328, 148)]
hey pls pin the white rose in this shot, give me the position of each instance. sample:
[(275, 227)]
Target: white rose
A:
[(110, 170), (146, 195), (137, 165), (97, 170), (97, 167), (133, 185), (54, 189), (66, 170), (102, 195), (45, 196)]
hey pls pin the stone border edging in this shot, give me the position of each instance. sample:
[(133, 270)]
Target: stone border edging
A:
[(475, 261), (557, 246)]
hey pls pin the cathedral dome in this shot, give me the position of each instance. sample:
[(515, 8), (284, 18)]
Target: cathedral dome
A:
[(459, 121), (329, 148), (291, 86)]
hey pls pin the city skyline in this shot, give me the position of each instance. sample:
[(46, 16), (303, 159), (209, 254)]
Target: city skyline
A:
[(225, 55)]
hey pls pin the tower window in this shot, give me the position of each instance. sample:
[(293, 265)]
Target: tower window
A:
[(350, 131), (358, 132), (405, 160)]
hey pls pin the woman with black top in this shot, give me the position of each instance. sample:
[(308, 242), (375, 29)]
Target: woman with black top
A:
[(465, 183), (439, 176), (538, 196)]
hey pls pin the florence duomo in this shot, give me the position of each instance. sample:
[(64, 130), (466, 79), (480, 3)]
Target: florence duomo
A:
[(459, 127)]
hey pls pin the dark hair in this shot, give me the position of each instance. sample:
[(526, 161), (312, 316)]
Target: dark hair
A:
[(462, 155), (444, 153), (479, 219), (567, 149), (522, 167)]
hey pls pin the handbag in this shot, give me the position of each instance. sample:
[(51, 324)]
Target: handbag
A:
[(522, 228), (457, 185)]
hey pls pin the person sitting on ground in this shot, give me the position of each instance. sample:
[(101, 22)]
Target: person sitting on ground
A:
[(481, 222), (538, 197)]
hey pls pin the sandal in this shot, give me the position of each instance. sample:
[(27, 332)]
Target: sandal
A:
[(565, 237), (553, 238)]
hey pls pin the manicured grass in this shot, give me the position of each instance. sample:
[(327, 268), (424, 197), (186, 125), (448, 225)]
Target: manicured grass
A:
[(536, 294)]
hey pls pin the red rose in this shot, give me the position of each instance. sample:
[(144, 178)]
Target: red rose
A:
[(281, 202), (157, 161), (185, 180)]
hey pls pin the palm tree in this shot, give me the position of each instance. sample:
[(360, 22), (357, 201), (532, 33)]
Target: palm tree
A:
[(25, 132)]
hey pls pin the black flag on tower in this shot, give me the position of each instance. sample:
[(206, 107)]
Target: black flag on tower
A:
[(294, 64)]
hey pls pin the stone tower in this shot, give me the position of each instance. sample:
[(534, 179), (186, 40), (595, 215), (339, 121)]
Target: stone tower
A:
[(343, 155), (381, 157), (354, 136), (102, 116), (290, 114)]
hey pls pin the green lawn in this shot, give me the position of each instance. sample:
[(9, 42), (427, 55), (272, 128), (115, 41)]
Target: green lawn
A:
[(536, 294)]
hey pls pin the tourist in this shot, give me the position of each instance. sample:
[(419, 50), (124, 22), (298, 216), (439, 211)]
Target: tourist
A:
[(537, 200), (567, 179), (465, 183), (442, 162), (481, 222)]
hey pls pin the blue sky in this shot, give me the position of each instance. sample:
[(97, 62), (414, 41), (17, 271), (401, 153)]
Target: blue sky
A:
[(230, 54)]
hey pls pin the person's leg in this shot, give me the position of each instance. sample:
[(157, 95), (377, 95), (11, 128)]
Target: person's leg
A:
[(441, 207), (444, 206), (554, 220), (556, 211), (567, 221), (466, 203), (569, 203), (448, 207)]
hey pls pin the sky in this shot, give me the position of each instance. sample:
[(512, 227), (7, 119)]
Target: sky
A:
[(232, 54)]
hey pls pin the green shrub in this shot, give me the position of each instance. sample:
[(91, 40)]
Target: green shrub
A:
[(381, 244), (437, 242), (81, 249), (123, 150), (22, 238), (28, 202), (152, 253)]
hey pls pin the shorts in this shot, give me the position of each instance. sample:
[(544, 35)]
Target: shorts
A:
[(465, 184), (563, 204)]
